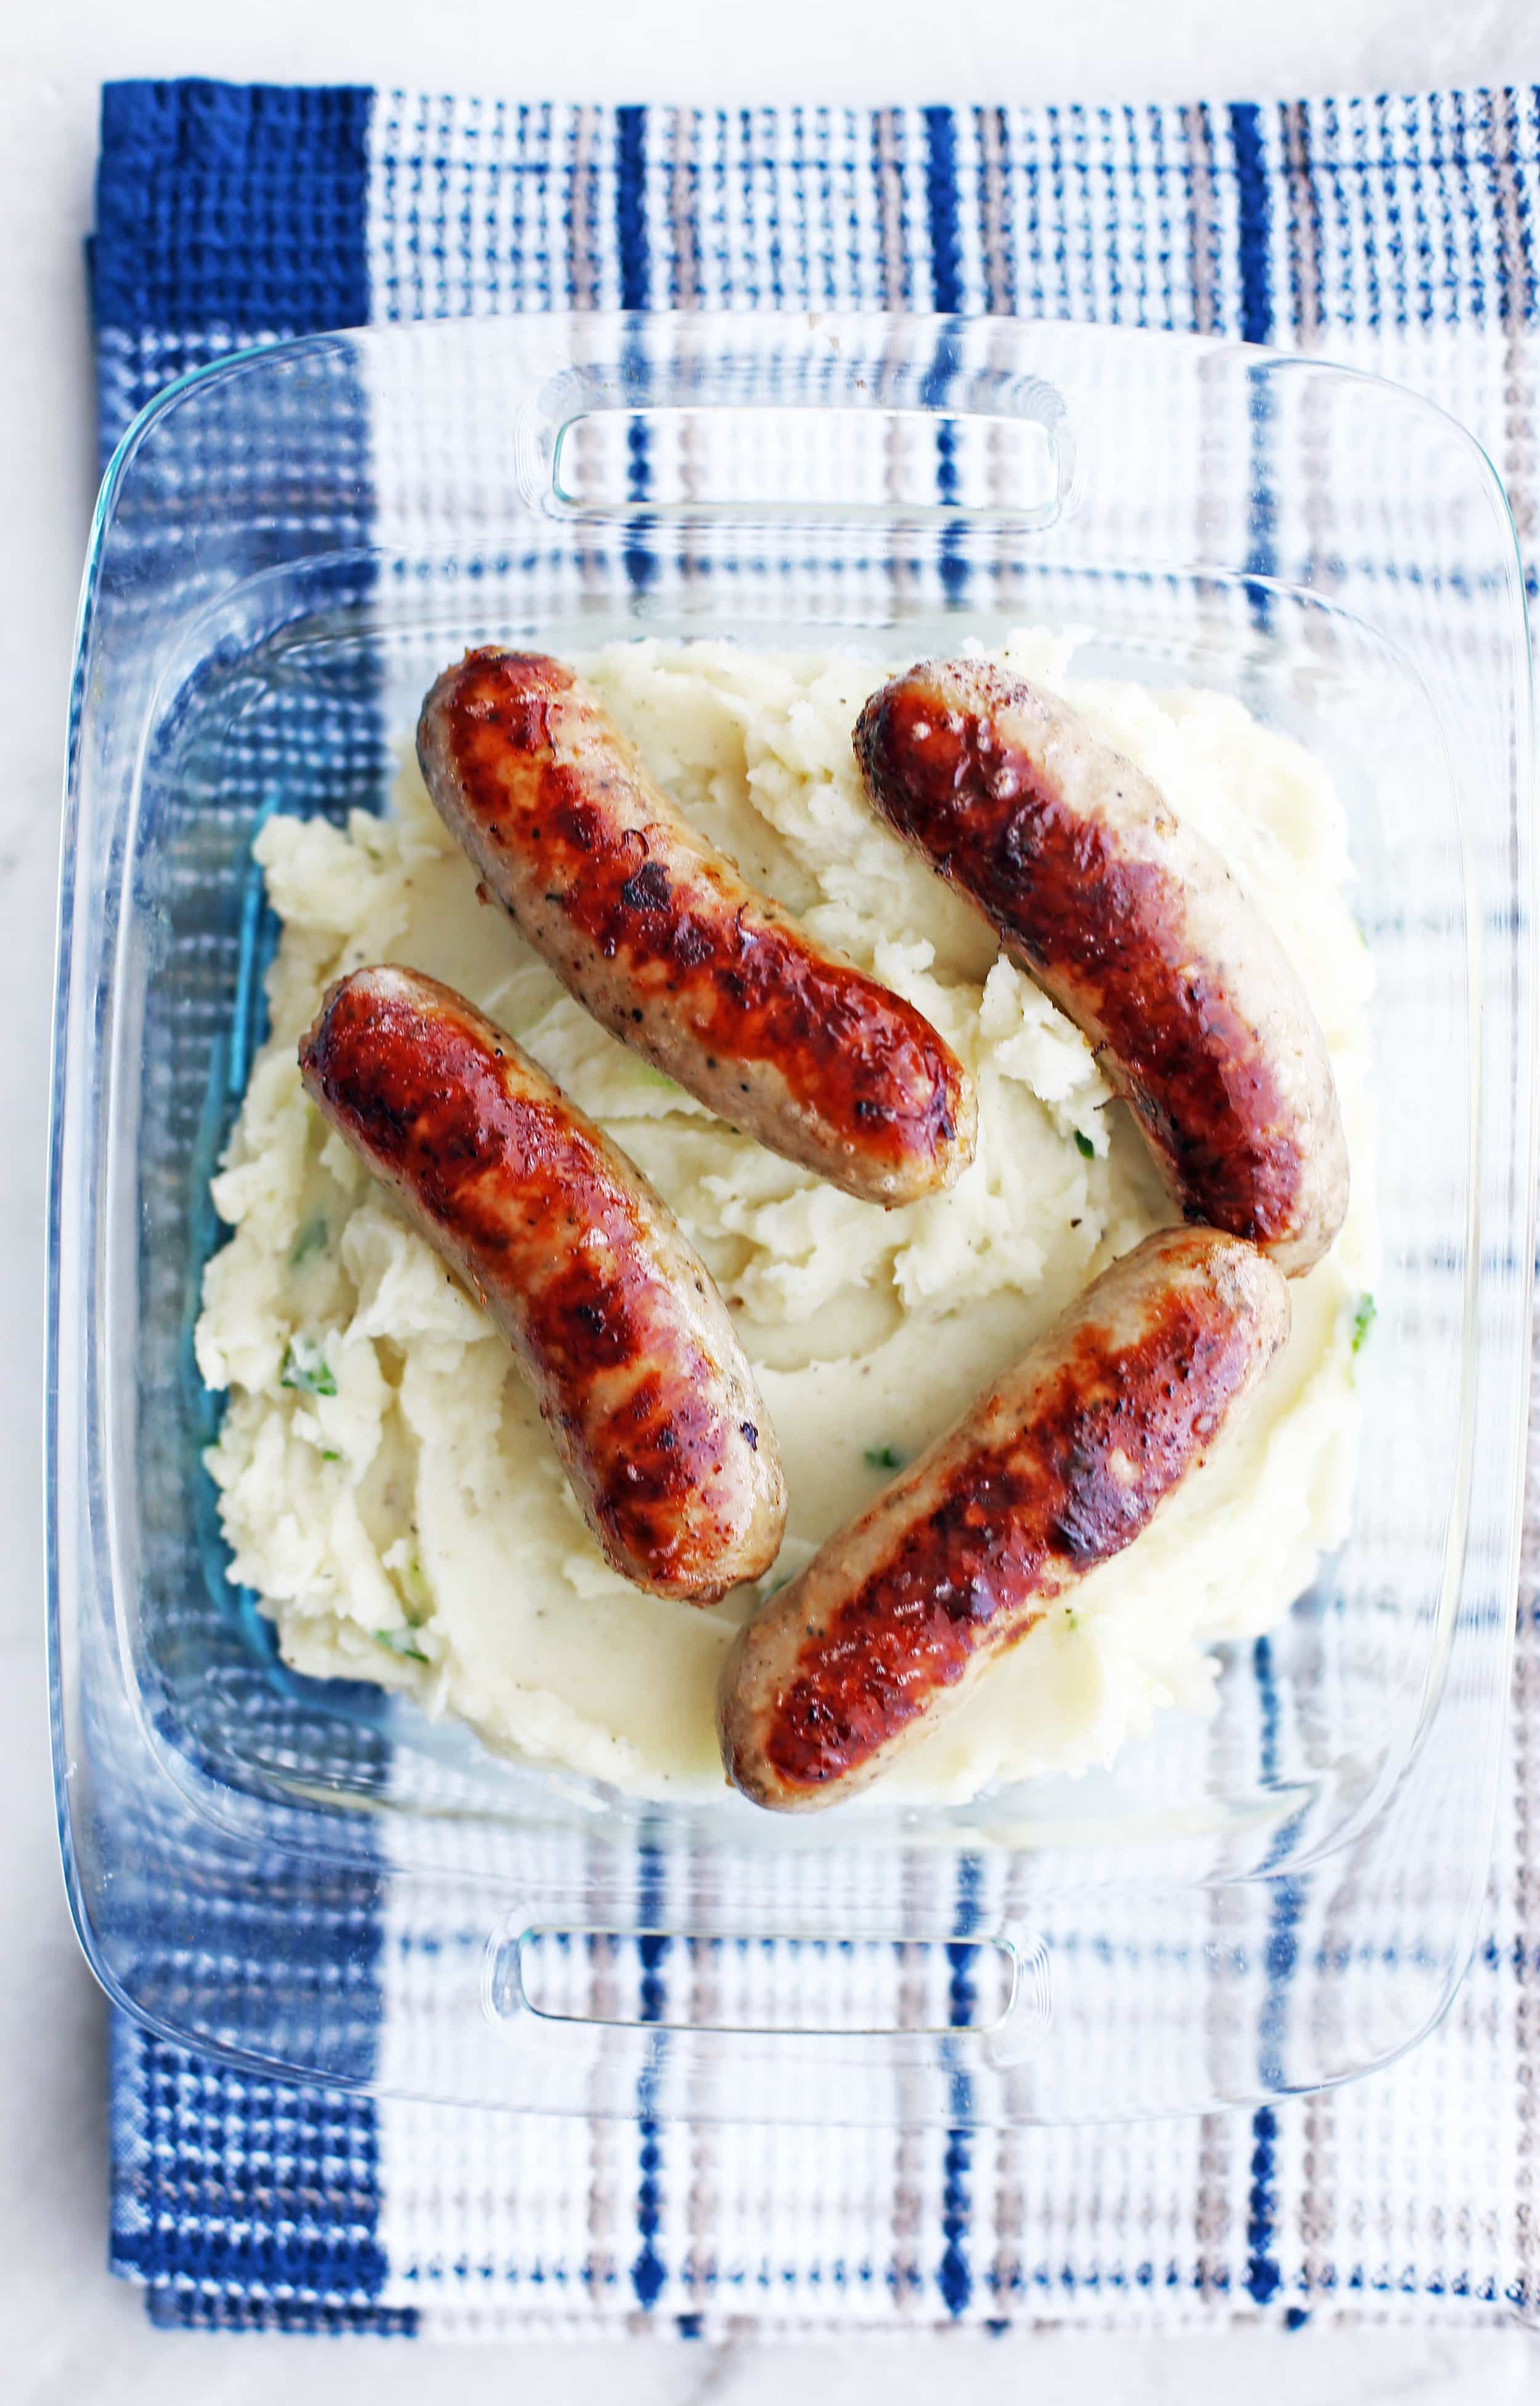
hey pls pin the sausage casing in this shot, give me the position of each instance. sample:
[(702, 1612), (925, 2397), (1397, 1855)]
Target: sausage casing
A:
[(1059, 1466), (624, 1337), (658, 936), (1135, 928)]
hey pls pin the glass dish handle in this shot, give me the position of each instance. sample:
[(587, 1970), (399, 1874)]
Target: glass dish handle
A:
[(627, 2021), (661, 433)]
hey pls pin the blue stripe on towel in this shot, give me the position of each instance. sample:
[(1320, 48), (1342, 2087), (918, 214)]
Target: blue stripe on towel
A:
[(1253, 233), (226, 214), (1264, 2277), (630, 208), (1255, 218), (946, 283), (229, 215), (243, 2204), (955, 2276), (649, 2272)]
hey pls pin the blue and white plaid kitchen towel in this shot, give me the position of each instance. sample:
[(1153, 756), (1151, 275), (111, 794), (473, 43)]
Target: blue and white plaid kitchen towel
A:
[(1394, 235)]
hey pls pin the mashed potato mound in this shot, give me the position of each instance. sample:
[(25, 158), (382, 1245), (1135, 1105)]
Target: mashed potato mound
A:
[(384, 1480)]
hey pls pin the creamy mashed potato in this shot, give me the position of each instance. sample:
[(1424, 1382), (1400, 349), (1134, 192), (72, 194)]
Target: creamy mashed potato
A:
[(384, 1480)]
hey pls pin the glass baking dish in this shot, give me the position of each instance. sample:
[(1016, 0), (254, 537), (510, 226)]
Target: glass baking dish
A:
[(314, 1880)]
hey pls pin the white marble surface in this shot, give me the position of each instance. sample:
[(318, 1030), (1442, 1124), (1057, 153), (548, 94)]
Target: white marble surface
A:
[(67, 2331)]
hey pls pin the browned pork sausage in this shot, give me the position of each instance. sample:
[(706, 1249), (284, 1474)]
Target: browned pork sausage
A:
[(657, 935), (624, 1339), (1059, 1466), (1136, 928)]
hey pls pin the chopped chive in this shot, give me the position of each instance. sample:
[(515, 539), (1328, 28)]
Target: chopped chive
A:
[(884, 1457), (400, 1641), (1084, 1145), (420, 1595), (330, 1454), (304, 1369), (1364, 1320), (311, 1239)]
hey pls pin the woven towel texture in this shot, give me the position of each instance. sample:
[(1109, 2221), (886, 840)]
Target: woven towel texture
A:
[(1392, 234)]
